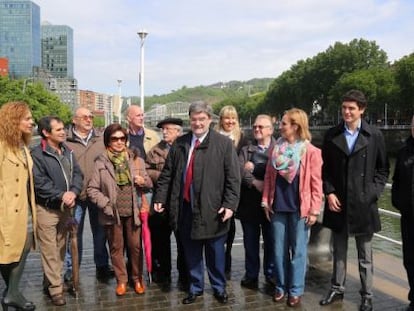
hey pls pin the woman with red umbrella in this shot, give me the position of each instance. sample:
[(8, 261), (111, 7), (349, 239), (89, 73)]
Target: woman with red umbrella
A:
[(113, 189)]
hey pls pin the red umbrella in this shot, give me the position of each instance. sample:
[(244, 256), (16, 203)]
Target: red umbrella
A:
[(146, 233)]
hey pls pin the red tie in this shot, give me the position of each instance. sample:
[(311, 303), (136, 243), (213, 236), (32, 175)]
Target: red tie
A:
[(189, 174)]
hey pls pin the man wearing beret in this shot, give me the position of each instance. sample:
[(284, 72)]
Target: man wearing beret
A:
[(171, 128)]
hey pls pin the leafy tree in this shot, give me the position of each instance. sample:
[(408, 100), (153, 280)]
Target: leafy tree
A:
[(404, 75), (376, 83), (40, 101), (310, 81)]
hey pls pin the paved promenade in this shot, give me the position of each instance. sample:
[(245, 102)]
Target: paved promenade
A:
[(390, 288)]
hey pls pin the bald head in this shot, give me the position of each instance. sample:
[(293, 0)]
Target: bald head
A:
[(135, 118)]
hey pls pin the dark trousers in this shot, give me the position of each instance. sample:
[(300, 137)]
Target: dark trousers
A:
[(193, 250), (161, 248), (251, 241), (407, 234), (229, 244)]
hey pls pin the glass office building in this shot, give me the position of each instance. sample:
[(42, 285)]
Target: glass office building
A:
[(20, 36), (57, 50)]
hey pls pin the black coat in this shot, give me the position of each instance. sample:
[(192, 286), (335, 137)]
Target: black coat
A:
[(50, 179), (216, 183), (403, 181), (357, 178), (250, 198)]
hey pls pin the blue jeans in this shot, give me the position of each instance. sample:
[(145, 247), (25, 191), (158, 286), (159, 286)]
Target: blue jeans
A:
[(251, 241), (100, 251), (291, 236)]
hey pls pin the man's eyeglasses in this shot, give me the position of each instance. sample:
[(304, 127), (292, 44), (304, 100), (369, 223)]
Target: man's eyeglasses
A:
[(120, 138), (260, 127), (86, 117)]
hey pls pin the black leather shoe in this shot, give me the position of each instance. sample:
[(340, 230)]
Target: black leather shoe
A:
[(191, 297), (331, 297), (104, 273), (221, 297), (366, 304), (23, 306), (249, 283)]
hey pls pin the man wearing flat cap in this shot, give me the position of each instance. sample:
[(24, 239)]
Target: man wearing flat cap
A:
[(171, 128)]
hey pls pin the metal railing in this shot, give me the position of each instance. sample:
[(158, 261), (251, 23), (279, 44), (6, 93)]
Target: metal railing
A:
[(383, 237)]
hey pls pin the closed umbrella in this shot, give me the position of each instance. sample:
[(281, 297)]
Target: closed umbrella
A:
[(145, 231), (73, 238)]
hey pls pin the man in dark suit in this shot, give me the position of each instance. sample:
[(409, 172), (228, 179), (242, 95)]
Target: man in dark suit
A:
[(201, 183), (355, 170)]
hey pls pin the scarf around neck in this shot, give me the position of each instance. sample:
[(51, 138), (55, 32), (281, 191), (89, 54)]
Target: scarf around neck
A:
[(286, 157), (120, 162)]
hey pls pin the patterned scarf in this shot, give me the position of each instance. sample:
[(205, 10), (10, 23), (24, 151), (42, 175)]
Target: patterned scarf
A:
[(286, 157), (120, 162)]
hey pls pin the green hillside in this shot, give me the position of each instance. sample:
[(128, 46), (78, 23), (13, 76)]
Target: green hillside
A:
[(212, 94)]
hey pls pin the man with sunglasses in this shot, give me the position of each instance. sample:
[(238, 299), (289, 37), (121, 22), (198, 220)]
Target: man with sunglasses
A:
[(87, 144), (253, 158)]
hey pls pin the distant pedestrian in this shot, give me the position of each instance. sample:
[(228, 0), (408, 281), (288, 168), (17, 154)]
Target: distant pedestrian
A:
[(355, 170), (58, 182), (114, 187), (17, 200), (292, 198), (229, 126), (403, 200), (200, 186)]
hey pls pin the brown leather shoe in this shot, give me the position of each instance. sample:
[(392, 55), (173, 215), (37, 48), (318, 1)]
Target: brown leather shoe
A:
[(58, 300), (139, 287), (278, 296), (121, 289), (293, 301)]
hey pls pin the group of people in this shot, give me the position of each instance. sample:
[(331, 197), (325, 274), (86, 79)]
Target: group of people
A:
[(195, 185)]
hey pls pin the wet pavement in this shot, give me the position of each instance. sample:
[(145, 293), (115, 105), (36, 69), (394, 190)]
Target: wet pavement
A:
[(390, 287)]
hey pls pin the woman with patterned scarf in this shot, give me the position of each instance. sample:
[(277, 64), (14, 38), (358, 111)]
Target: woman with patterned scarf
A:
[(292, 197), (118, 177)]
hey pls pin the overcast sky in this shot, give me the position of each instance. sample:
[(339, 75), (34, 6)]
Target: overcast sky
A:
[(200, 42)]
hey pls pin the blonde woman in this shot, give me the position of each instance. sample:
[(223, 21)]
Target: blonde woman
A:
[(229, 126), (17, 200), (292, 197)]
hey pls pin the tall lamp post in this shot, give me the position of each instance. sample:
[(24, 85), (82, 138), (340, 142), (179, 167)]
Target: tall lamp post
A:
[(120, 101), (142, 34)]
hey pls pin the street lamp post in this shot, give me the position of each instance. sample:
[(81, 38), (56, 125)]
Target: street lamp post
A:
[(120, 101), (142, 34)]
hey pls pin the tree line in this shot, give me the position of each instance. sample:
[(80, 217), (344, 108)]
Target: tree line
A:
[(315, 84), (318, 83)]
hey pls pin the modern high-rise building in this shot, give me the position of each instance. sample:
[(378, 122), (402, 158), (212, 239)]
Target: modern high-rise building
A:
[(20, 36), (57, 50), (57, 60)]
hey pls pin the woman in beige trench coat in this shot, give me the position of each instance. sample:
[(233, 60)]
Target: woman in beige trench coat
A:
[(17, 201)]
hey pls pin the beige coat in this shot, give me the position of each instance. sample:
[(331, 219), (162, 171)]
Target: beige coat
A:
[(14, 203)]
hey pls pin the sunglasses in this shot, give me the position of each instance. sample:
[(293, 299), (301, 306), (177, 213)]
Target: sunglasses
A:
[(120, 138), (260, 127), (86, 117)]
